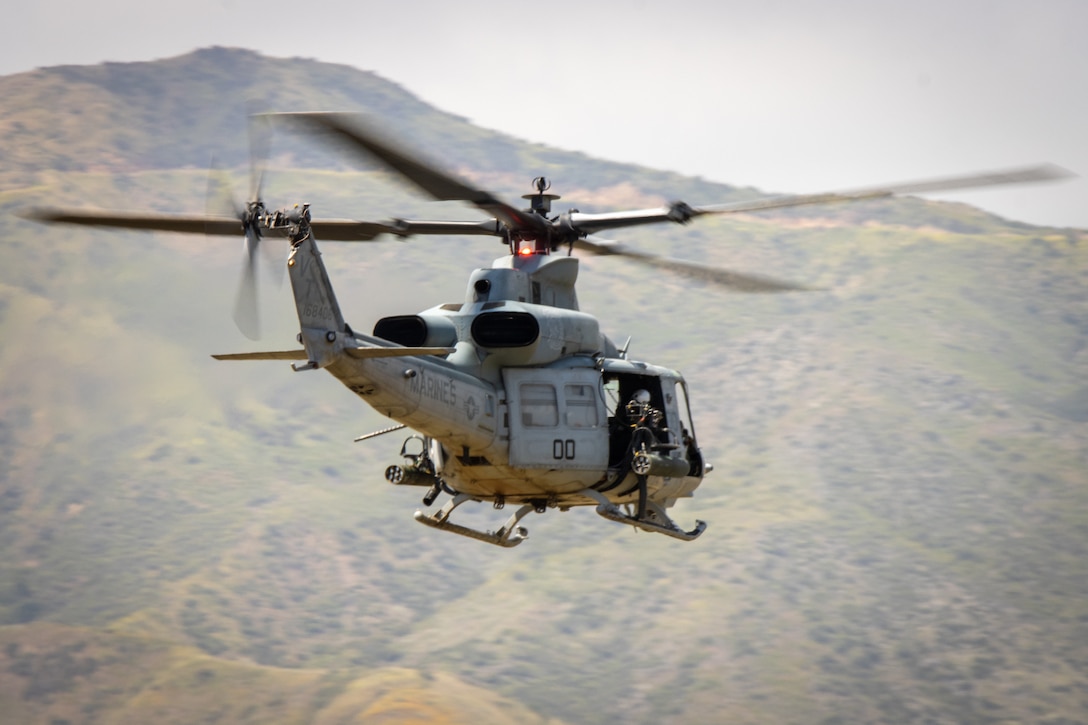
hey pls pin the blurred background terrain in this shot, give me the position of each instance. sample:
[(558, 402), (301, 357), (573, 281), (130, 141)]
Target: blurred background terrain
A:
[(898, 515)]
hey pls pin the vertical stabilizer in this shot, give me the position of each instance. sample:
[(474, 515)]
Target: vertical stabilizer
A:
[(322, 326)]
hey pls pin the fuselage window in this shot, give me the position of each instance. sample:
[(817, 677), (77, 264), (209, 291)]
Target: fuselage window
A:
[(539, 408), (581, 406)]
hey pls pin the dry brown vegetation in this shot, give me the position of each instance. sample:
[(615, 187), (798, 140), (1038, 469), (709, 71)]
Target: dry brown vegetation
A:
[(898, 515)]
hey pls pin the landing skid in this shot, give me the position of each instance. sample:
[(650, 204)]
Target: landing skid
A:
[(509, 535), (652, 517)]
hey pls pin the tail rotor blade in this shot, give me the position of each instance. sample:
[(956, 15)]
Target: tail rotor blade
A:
[(246, 315), (246, 306), (273, 252), (260, 142), (220, 201)]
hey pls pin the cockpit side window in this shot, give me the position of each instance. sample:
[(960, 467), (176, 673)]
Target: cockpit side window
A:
[(684, 409)]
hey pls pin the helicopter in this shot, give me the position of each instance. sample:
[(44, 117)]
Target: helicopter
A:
[(513, 395)]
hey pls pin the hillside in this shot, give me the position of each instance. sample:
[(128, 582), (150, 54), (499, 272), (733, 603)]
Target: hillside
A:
[(898, 515)]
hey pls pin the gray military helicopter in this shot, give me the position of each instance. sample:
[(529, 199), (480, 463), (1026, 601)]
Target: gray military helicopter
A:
[(516, 394)]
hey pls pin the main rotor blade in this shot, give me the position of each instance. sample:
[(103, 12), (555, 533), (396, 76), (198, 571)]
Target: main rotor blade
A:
[(350, 130), (1028, 175), (333, 230), (183, 223), (583, 223), (716, 275), (682, 213), (348, 230)]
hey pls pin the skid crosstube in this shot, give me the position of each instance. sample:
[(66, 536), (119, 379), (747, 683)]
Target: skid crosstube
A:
[(508, 535), (654, 519)]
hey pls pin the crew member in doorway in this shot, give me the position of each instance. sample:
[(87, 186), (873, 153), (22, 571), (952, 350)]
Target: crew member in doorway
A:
[(640, 414)]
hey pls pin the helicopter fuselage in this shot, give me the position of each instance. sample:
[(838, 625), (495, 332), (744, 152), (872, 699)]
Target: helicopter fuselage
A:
[(545, 433), (528, 406)]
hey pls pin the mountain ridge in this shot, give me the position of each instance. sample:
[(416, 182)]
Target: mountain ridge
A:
[(201, 101), (897, 513)]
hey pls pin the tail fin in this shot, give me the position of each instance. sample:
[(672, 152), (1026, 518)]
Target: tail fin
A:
[(314, 298), (324, 333), (322, 326)]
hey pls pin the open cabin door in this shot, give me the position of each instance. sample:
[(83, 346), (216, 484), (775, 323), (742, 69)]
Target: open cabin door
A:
[(557, 418), (668, 394)]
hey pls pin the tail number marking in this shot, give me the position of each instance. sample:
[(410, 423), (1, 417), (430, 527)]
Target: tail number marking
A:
[(563, 450), (313, 310)]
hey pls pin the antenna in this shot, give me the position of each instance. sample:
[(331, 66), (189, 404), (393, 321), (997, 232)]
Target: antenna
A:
[(623, 350), (540, 202)]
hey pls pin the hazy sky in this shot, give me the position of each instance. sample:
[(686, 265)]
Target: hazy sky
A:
[(779, 94)]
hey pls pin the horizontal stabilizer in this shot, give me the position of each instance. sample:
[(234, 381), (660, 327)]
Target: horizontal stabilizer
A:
[(360, 353), (276, 355)]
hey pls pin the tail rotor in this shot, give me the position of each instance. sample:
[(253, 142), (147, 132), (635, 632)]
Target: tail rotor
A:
[(246, 312)]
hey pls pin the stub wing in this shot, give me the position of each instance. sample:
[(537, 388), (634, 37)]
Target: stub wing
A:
[(359, 353)]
